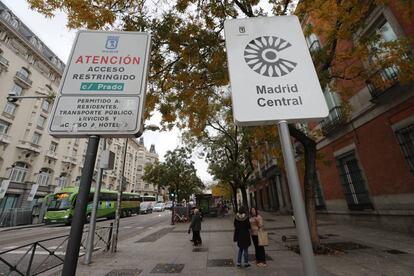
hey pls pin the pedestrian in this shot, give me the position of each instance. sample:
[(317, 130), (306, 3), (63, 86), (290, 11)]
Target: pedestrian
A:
[(242, 236), (195, 226), (256, 223)]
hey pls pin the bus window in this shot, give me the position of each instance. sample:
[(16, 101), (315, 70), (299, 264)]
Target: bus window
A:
[(60, 201)]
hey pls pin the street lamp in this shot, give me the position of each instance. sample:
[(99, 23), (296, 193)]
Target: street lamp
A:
[(118, 205)]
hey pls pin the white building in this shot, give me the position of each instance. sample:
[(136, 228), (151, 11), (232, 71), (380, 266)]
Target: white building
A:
[(28, 155)]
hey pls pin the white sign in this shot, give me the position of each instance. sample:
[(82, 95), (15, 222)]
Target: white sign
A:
[(102, 91), (3, 188), (271, 72), (33, 192)]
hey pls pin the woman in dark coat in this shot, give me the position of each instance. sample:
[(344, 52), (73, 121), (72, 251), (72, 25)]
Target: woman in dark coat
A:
[(196, 227), (242, 236)]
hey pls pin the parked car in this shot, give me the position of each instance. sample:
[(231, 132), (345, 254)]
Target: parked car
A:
[(145, 208), (168, 205), (159, 207)]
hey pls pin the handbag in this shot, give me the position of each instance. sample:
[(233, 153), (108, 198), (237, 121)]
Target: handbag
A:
[(263, 238)]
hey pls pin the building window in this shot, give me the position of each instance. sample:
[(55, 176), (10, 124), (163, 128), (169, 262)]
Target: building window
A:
[(313, 42), (24, 73), (335, 117), (18, 172), (4, 127), (14, 23), (53, 146), (36, 138), (6, 15), (17, 90), (8, 202), (405, 137), (45, 106), (10, 108), (353, 183), (41, 121), (43, 177)]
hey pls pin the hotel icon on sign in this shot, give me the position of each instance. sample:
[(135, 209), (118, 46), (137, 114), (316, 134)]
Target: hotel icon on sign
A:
[(112, 42)]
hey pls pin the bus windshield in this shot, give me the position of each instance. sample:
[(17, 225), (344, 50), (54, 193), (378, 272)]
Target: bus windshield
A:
[(60, 201)]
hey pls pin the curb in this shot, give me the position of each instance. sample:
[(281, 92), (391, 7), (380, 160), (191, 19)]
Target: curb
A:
[(22, 227)]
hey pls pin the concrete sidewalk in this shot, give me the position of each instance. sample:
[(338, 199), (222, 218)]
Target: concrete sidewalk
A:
[(168, 249)]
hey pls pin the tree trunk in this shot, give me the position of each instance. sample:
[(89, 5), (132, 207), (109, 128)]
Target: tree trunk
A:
[(235, 205), (309, 146), (244, 197)]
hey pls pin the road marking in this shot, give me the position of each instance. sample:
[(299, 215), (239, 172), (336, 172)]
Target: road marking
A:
[(127, 227), (139, 227)]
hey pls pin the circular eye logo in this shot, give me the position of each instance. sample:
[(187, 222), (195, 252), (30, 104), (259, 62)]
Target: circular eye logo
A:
[(262, 55)]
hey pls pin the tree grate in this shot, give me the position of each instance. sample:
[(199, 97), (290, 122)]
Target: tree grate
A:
[(168, 268), (220, 263), (200, 249), (124, 272), (156, 235), (395, 251)]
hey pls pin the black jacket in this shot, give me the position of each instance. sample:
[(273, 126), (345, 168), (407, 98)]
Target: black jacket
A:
[(196, 222), (241, 230)]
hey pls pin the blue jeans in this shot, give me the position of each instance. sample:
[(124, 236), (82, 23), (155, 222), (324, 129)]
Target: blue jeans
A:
[(246, 256)]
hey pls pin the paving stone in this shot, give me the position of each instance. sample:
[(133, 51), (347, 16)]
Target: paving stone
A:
[(156, 235)]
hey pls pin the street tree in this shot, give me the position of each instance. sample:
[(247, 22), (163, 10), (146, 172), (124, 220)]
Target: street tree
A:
[(177, 173), (188, 58)]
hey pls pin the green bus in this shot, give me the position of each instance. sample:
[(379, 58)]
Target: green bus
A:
[(61, 205)]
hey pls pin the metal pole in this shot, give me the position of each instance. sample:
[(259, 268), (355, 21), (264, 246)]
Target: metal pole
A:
[(172, 212), (118, 202), (75, 236), (302, 228), (92, 221)]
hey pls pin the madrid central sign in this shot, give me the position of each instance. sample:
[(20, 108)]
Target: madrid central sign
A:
[(271, 72), (102, 91)]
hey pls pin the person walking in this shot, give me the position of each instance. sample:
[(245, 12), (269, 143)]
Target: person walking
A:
[(242, 236), (256, 223), (195, 226)]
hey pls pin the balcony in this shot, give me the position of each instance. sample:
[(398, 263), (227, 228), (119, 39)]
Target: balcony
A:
[(4, 139), (4, 64), (382, 82), (315, 46), (69, 160), (22, 80), (51, 154), (334, 121), (26, 145)]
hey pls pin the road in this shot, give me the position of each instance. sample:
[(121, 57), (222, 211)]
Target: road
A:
[(14, 239)]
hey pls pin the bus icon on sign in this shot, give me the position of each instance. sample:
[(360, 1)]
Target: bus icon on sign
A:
[(112, 42)]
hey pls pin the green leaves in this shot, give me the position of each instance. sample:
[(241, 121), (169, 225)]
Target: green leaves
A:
[(177, 173)]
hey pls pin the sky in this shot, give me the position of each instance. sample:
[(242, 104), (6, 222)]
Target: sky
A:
[(54, 33)]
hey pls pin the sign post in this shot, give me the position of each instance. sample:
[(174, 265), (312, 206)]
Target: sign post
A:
[(273, 81), (102, 94)]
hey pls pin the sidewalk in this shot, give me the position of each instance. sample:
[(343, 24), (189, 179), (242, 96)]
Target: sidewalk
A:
[(167, 248)]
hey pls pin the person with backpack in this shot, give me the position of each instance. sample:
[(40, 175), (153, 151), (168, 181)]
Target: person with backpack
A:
[(242, 236)]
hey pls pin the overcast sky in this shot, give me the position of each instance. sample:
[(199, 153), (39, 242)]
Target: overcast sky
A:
[(53, 32)]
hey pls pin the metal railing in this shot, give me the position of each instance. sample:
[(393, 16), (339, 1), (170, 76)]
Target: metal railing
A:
[(16, 216), (43, 255), (4, 61), (23, 78), (382, 80), (333, 121)]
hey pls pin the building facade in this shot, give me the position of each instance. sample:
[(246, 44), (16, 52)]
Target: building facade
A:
[(32, 160), (366, 173)]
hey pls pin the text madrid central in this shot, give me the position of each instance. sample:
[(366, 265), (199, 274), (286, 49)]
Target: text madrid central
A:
[(284, 101)]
